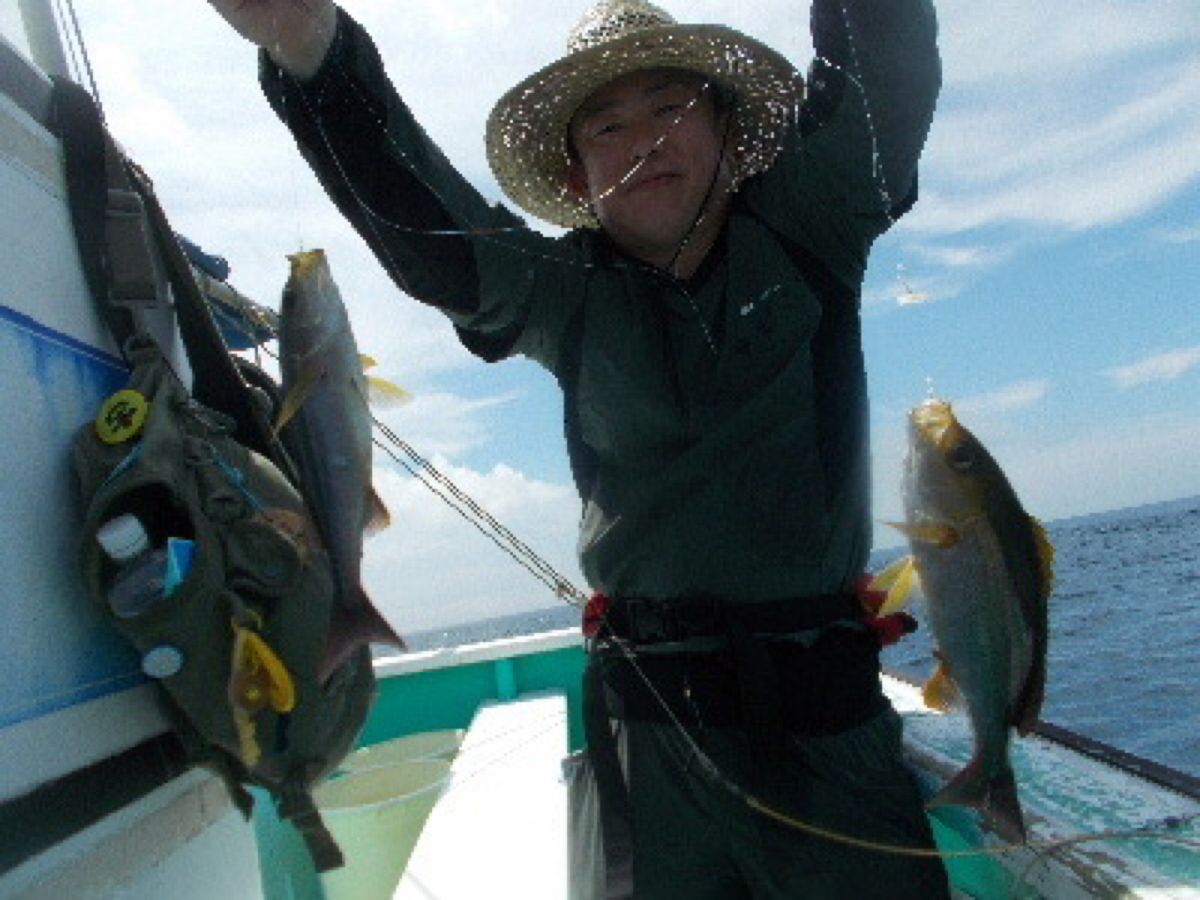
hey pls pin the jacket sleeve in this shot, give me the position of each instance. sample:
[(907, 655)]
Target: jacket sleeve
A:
[(848, 169), (434, 234)]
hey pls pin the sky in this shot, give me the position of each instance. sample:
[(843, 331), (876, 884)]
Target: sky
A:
[(1056, 241)]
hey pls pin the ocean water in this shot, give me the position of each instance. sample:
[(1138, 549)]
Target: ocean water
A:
[(1124, 651)]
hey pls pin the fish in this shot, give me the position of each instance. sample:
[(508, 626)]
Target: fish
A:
[(986, 569), (325, 426)]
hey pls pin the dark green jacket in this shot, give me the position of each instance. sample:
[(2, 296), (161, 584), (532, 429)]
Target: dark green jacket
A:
[(742, 473)]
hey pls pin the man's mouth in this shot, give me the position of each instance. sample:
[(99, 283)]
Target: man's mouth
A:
[(653, 181)]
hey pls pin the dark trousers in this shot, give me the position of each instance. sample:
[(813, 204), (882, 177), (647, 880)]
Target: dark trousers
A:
[(695, 840)]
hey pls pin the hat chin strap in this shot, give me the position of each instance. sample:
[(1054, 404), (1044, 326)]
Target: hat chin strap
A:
[(708, 196)]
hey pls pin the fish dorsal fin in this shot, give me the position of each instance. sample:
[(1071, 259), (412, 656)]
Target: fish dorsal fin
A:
[(1045, 555), (898, 579), (309, 377), (1028, 704), (375, 515), (383, 393)]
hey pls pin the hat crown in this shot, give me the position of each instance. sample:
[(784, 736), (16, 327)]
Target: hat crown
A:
[(612, 19)]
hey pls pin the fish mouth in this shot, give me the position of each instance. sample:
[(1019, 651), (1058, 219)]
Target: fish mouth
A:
[(305, 261), (933, 419)]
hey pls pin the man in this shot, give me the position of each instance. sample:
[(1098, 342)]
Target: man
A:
[(702, 319)]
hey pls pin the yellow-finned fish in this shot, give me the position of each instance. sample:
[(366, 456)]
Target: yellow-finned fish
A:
[(986, 570), (326, 428)]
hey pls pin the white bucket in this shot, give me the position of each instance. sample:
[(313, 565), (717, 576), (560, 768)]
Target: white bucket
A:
[(376, 816), (426, 745)]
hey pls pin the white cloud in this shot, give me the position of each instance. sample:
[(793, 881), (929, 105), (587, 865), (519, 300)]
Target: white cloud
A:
[(963, 256), (1012, 397), (1186, 235), (432, 568), (1168, 366), (1128, 461), (1072, 115), (443, 424), (143, 117), (1018, 41), (1046, 164)]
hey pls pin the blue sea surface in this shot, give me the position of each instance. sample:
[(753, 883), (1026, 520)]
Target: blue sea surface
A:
[(1124, 653)]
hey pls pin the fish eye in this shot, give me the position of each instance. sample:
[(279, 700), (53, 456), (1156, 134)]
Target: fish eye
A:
[(961, 457)]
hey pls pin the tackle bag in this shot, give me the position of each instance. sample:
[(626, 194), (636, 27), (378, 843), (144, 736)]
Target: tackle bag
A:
[(236, 644)]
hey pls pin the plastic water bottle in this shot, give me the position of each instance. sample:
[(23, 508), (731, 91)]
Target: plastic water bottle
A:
[(146, 574)]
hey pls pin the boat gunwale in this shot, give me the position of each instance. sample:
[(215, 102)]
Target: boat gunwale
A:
[(1159, 774)]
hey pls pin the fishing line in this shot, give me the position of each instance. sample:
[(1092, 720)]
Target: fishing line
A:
[(492, 234), (473, 513), (87, 63), (560, 585), (484, 233), (76, 66), (876, 161), (700, 214), (461, 778), (704, 761), (487, 525)]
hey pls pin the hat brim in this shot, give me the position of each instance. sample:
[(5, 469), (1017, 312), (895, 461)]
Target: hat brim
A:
[(527, 130)]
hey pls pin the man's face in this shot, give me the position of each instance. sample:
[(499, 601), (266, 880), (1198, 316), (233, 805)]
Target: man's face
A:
[(648, 147)]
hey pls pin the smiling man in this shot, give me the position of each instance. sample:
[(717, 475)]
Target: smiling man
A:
[(649, 158), (702, 318)]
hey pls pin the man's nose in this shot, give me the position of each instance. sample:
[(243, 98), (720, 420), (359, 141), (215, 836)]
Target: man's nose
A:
[(646, 139)]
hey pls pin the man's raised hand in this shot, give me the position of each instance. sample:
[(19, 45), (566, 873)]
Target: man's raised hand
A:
[(296, 33)]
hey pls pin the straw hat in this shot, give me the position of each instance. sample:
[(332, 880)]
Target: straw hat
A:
[(527, 130)]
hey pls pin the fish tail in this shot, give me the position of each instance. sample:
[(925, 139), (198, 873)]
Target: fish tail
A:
[(354, 626), (995, 796)]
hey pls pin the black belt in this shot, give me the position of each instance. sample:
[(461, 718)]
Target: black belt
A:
[(803, 665), (644, 621)]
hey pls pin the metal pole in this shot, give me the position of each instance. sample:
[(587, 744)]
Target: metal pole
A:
[(41, 30)]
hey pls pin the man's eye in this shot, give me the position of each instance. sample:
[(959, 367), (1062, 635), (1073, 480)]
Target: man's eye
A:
[(668, 109), (607, 128)]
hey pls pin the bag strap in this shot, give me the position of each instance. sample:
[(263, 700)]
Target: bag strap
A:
[(89, 170), (296, 806), (217, 380), (121, 228)]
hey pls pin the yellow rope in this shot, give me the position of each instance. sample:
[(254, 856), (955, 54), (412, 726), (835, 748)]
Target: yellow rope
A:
[(996, 850)]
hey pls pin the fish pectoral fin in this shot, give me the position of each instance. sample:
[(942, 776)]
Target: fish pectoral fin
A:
[(940, 534), (940, 692), (376, 513), (367, 362), (383, 393), (310, 377), (898, 581)]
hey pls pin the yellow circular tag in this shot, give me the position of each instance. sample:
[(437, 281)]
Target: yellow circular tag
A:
[(122, 417)]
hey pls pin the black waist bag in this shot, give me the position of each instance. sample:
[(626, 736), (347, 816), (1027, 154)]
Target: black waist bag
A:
[(235, 646)]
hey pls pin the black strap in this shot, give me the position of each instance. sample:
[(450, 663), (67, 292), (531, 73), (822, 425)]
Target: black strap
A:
[(86, 155), (217, 380), (615, 816), (650, 621), (107, 196), (296, 806)]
